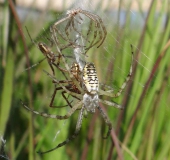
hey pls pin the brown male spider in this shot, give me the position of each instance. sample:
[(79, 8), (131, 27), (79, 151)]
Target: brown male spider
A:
[(87, 96), (50, 56), (54, 61)]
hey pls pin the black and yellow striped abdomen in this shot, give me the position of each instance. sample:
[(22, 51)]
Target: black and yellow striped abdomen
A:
[(90, 78)]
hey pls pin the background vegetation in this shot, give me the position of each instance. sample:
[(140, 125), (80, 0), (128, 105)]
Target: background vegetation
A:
[(141, 131)]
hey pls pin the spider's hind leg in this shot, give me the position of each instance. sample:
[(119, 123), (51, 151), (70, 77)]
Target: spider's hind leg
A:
[(78, 127), (107, 121)]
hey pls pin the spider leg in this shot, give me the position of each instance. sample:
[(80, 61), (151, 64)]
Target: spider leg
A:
[(114, 95), (88, 34), (53, 96), (104, 30), (69, 87), (111, 104), (89, 28), (46, 54), (92, 42), (61, 69), (68, 103), (61, 35), (67, 26), (60, 21), (35, 64), (99, 39), (63, 94), (55, 39), (127, 78), (79, 18), (106, 87), (78, 127), (58, 34), (51, 68), (72, 110), (71, 43), (75, 29), (49, 55), (65, 81), (66, 65), (99, 23), (64, 88), (107, 121), (66, 32)]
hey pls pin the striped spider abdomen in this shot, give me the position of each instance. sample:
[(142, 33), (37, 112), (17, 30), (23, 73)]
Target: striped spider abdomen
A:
[(91, 84), (90, 78)]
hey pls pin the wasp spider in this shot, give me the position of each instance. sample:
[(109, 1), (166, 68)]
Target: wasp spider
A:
[(86, 92)]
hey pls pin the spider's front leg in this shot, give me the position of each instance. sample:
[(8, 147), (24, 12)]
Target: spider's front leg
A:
[(64, 87), (78, 127), (114, 95)]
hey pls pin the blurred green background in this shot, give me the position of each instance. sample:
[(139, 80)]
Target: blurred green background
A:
[(141, 130)]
